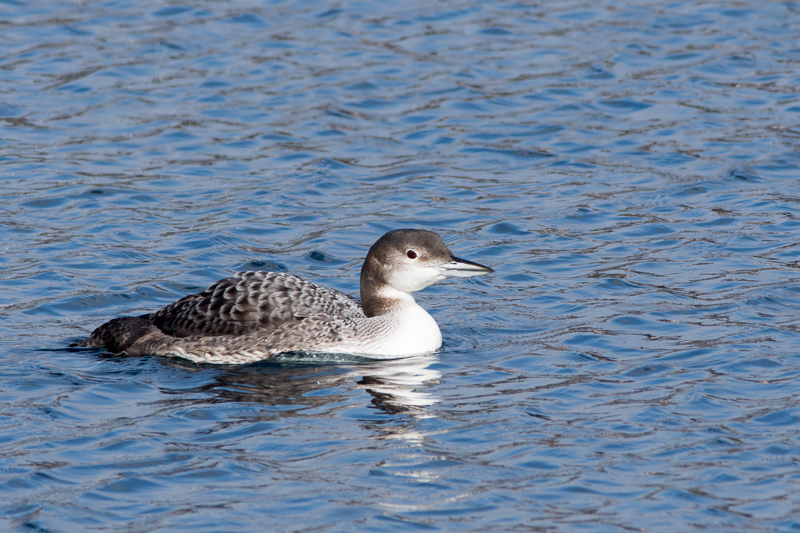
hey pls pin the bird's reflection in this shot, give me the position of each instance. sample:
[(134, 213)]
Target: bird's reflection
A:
[(402, 385), (398, 386)]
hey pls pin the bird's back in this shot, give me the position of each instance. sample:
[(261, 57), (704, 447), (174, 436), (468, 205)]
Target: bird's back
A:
[(250, 303)]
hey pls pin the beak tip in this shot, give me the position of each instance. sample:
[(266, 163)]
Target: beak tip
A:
[(462, 268)]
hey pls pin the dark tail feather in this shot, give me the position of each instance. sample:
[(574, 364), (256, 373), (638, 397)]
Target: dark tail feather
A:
[(119, 334)]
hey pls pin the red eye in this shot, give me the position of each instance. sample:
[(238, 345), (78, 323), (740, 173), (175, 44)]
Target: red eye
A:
[(411, 254)]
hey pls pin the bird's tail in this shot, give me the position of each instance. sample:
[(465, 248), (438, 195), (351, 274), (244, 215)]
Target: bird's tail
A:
[(119, 334)]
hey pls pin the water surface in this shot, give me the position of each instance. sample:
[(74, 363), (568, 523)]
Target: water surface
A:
[(630, 170)]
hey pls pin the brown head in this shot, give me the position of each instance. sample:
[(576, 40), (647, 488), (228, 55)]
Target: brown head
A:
[(407, 260)]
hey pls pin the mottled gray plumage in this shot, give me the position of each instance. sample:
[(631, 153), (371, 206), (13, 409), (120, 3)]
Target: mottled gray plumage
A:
[(251, 301), (255, 315)]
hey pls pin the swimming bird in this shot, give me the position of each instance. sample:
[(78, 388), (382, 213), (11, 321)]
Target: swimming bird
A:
[(256, 315)]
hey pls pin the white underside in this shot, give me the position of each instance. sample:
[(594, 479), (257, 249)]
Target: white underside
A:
[(406, 330), (412, 331)]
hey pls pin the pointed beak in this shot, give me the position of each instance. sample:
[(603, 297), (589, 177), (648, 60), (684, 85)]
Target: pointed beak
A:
[(461, 268)]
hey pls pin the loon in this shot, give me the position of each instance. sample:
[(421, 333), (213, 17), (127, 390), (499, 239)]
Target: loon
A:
[(257, 315)]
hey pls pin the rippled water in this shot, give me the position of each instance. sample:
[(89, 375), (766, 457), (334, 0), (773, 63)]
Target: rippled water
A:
[(629, 169)]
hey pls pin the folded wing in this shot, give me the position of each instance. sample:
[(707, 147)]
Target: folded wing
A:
[(252, 302)]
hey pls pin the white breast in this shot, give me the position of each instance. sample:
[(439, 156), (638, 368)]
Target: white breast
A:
[(407, 330)]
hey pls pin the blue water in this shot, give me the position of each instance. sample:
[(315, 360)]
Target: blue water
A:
[(629, 169)]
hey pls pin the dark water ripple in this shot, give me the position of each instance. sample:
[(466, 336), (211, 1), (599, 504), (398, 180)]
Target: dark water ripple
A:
[(630, 170)]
